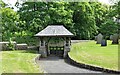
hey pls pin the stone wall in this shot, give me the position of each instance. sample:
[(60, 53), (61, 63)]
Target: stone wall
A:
[(90, 67), (33, 48), (4, 46), (21, 47), (42, 51)]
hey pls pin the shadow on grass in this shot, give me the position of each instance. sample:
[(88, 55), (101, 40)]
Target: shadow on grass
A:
[(114, 44)]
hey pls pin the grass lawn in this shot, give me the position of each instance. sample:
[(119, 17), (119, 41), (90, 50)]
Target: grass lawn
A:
[(93, 54), (19, 61)]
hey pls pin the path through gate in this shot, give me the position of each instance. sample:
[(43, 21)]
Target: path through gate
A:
[(58, 51)]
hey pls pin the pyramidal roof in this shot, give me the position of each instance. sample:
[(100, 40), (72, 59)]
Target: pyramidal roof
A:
[(54, 30)]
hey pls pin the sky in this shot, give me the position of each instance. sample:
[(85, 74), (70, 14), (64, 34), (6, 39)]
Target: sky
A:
[(105, 1), (12, 2)]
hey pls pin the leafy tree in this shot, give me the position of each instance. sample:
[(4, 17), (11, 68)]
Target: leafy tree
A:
[(100, 12), (110, 25), (2, 4), (11, 45), (8, 22), (34, 14), (83, 17), (40, 14), (118, 9), (62, 14)]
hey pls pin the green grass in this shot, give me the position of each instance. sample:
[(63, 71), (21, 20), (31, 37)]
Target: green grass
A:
[(93, 54), (19, 61)]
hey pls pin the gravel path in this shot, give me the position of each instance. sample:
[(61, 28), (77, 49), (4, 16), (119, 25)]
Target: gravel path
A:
[(53, 64)]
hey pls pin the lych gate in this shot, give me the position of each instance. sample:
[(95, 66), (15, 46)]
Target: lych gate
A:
[(54, 39)]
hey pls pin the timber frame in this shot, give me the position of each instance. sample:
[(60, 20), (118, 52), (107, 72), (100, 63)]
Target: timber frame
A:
[(46, 44)]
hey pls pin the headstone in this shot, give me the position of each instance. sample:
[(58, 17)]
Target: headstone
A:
[(104, 42), (99, 38), (95, 38), (115, 39), (111, 37)]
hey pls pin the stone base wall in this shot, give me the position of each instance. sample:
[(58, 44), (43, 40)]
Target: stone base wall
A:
[(33, 48), (43, 52), (66, 50), (21, 47), (94, 68), (4, 46)]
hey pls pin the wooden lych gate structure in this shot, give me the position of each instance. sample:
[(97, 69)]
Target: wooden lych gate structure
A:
[(54, 39)]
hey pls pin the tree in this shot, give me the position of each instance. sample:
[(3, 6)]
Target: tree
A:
[(40, 14), (110, 25), (83, 17), (62, 14), (34, 14), (2, 4), (100, 11), (8, 22)]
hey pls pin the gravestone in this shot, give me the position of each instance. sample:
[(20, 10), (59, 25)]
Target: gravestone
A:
[(115, 38), (95, 38), (99, 38), (104, 42), (111, 37)]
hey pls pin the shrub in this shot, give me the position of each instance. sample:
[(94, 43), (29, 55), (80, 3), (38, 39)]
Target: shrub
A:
[(11, 45)]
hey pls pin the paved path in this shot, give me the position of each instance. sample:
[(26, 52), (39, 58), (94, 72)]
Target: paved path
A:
[(53, 64)]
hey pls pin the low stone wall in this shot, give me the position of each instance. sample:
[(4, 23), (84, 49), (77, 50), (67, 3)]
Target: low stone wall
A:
[(33, 48), (4, 46), (78, 41), (21, 47), (81, 65), (37, 58)]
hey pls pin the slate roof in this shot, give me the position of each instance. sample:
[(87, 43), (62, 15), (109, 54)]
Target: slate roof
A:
[(54, 30)]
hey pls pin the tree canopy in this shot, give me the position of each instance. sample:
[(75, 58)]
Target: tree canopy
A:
[(83, 19)]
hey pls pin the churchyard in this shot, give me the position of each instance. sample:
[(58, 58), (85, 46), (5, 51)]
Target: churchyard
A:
[(92, 52), (37, 31), (96, 55), (100, 52)]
